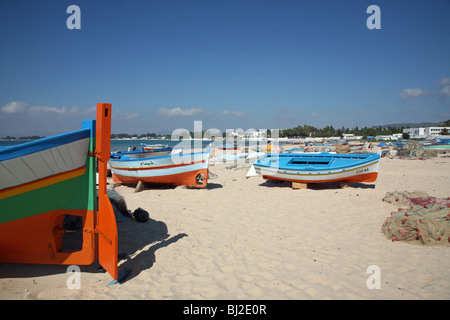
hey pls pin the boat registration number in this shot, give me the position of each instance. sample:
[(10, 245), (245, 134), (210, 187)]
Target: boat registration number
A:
[(146, 163), (362, 170)]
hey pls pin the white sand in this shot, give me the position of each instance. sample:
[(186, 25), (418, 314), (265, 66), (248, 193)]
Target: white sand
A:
[(249, 239)]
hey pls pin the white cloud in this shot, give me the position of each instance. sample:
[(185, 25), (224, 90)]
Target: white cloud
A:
[(178, 112), (15, 107), (234, 113), (48, 109), (92, 109), (129, 116), (445, 82), (118, 114), (445, 85), (315, 115), (446, 91), (412, 93)]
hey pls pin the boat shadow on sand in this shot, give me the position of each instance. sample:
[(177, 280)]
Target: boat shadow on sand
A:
[(317, 186), (137, 243), (156, 186)]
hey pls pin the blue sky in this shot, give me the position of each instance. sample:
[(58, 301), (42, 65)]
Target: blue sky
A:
[(232, 64)]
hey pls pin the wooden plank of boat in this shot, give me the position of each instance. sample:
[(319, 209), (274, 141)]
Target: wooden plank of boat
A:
[(317, 168), (299, 185)]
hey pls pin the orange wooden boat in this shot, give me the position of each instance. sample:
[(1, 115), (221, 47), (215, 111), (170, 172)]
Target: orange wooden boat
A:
[(46, 185)]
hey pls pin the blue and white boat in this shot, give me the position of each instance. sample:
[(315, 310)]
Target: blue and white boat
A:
[(161, 167), (142, 153), (319, 167), (151, 147)]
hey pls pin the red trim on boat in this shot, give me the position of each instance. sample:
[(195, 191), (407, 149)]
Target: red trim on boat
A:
[(367, 177)]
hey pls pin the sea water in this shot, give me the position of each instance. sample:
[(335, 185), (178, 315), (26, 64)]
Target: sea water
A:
[(123, 145)]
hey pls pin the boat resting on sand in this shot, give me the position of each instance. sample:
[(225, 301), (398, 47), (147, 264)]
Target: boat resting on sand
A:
[(317, 168), (46, 185), (178, 169), (150, 147), (141, 153)]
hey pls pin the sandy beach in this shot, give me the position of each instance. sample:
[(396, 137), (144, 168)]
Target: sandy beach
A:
[(242, 238)]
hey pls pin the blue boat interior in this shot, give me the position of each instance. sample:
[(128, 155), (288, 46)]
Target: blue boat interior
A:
[(309, 162)]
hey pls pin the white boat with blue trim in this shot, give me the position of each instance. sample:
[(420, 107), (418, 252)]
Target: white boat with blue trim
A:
[(178, 169), (319, 167)]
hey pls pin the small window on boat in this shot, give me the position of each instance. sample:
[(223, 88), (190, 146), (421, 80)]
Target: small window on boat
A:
[(310, 162)]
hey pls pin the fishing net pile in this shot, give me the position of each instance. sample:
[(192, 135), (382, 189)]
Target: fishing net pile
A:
[(421, 219), (414, 149), (311, 148), (342, 148)]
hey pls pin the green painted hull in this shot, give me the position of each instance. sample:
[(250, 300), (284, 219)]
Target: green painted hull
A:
[(74, 193)]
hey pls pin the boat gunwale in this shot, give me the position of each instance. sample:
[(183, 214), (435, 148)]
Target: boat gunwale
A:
[(314, 172), (39, 145), (136, 154)]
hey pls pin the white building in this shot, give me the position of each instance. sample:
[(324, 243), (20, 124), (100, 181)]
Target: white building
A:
[(256, 134), (392, 137), (424, 133), (435, 131), (351, 136)]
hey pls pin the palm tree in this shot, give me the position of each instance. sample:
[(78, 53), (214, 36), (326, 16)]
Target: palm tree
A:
[(444, 132)]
